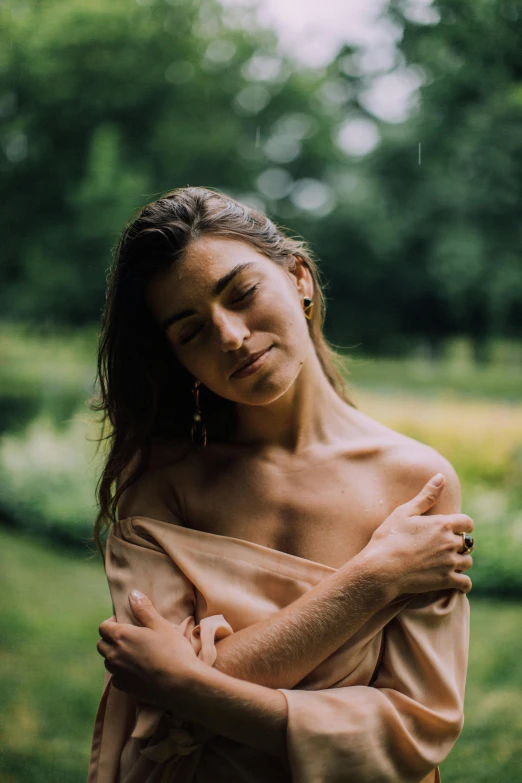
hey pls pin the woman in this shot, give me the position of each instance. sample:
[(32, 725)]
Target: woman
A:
[(286, 572)]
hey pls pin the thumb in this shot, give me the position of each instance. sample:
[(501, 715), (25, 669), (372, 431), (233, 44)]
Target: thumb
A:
[(428, 495), (143, 609)]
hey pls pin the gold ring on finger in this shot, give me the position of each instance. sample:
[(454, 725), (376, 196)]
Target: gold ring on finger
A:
[(468, 542)]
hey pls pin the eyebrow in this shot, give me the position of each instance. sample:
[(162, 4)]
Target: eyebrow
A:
[(218, 288)]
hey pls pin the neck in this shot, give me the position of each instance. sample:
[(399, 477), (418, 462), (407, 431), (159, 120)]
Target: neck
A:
[(309, 413)]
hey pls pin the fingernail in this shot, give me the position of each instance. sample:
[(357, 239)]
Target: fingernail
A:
[(437, 480), (137, 596)]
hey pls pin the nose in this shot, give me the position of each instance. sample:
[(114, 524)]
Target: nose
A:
[(231, 330)]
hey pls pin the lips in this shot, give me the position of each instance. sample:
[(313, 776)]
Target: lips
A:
[(250, 360)]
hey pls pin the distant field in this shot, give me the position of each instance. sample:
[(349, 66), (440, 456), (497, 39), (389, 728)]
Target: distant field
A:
[(472, 415), (64, 362), (458, 377), (51, 674)]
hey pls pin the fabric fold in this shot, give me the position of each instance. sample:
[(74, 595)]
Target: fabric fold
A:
[(162, 737), (405, 725), (386, 707)]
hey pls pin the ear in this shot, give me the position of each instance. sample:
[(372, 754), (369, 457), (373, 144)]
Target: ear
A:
[(302, 277)]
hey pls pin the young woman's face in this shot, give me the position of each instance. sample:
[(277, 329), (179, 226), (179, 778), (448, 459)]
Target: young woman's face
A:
[(225, 302)]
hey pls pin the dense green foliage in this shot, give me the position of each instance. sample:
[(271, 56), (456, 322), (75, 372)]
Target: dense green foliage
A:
[(458, 210), (106, 105), (111, 104)]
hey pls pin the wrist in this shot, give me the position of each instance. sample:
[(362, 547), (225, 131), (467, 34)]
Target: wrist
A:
[(199, 692), (371, 566), (183, 683)]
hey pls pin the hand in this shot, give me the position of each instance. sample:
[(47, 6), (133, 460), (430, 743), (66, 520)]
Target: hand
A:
[(152, 661), (416, 554)]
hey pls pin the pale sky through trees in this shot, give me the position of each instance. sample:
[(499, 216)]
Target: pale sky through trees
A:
[(311, 32)]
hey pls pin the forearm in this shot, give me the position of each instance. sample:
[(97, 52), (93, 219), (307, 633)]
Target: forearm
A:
[(279, 651), (243, 711)]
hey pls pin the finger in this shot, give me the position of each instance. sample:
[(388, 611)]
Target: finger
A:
[(107, 627), (462, 582), (111, 668), (465, 562), (104, 647), (427, 497), (461, 523), (144, 610)]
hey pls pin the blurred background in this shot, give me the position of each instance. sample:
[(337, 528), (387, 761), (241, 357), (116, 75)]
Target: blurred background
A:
[(389, 135)]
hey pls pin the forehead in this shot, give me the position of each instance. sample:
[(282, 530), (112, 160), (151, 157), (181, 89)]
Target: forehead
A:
[(204, 262), (211, 256)]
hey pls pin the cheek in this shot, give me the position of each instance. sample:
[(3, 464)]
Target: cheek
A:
[(194, 363), (203, 360), (290, 332), (279, 316), (279, 310), (293, 326)]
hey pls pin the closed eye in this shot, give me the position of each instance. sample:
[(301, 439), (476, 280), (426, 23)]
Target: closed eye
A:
[(190, 337), (247, 293), (239, 299)]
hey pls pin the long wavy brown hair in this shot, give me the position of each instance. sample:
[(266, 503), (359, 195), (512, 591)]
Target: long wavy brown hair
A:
[(145, 394)]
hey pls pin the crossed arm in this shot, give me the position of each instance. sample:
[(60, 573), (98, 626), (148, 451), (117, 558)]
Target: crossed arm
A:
[(238, 696), (153, 663), (279, 651)]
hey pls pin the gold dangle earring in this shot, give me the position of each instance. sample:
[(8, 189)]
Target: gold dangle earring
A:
[(198, 431), (308, 307)]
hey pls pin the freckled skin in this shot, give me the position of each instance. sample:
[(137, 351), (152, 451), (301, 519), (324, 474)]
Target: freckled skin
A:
[(230, 328), (304, 472)]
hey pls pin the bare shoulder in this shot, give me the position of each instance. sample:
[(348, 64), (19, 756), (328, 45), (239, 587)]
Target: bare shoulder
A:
[(410, 464), (406, 465), (153, 494)]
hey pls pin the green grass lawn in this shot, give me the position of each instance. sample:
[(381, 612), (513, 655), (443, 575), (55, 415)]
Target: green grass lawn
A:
[(490, 746), (51, 674)]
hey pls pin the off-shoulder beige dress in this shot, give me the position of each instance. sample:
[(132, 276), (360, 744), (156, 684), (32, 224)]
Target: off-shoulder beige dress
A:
[(386, 707)]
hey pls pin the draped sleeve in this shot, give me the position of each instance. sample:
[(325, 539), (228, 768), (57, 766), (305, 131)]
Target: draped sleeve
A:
[(402, 726), (386, 707), (129, 737)]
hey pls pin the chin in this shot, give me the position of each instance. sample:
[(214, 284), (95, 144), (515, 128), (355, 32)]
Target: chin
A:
[(266, 390)]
